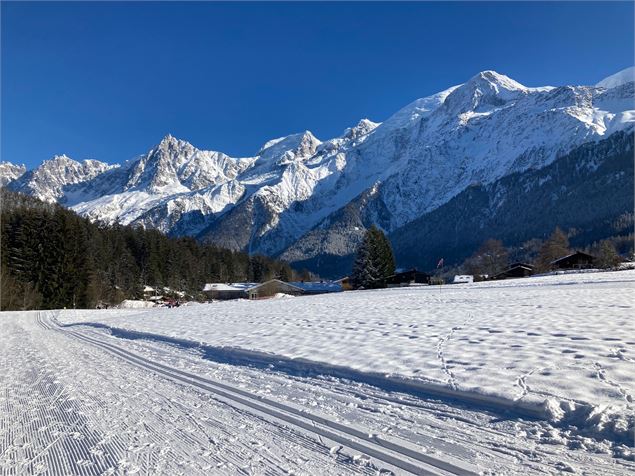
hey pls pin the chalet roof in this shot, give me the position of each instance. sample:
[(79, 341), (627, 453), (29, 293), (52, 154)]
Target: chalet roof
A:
[(525, 266), (577, 253), (324, 287), (528, 267), (520, 264)]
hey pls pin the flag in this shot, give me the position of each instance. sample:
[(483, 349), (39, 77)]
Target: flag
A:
[(440, 263)]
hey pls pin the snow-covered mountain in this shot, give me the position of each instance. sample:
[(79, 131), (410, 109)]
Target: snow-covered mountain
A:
[(9, 172), (48, 182), (625, 76), (290, 198)]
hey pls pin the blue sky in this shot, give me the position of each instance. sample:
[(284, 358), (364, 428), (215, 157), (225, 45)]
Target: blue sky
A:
[(109, 80)]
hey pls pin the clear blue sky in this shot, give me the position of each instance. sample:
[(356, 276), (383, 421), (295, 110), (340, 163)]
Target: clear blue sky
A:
[(109, 80)]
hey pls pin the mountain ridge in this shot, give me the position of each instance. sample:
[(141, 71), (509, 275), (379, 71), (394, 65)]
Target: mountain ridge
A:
[(404, 167)]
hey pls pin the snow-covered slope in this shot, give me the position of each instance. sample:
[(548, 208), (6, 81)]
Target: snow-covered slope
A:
[(625, 76), (412, 163), (48, 181), (9, 172)]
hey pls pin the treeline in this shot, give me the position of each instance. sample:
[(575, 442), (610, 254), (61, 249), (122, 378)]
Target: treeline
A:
[(52, 258)]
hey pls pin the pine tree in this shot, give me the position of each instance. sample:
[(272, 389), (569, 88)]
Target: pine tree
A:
[(364, 274), (374, 260), (386, 255)]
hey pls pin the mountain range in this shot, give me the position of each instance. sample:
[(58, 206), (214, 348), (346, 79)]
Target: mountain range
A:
[(439, 176)]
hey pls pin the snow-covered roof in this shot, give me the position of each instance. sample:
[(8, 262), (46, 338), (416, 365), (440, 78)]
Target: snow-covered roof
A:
[(323, 287), (229, 287)]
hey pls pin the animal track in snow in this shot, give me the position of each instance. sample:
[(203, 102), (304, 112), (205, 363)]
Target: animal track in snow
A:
[(440, 354)]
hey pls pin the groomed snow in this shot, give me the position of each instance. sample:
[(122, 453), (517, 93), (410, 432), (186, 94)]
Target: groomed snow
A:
[(562, 345)]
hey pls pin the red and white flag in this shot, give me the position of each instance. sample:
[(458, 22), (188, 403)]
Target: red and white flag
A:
[(440, 263)]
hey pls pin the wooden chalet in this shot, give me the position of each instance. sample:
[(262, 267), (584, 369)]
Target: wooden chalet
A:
[(406, 278), (577, 260), (271, 288), (516, 270)]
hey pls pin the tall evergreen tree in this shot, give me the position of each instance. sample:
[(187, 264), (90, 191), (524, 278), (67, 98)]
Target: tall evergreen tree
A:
[(374, 260)]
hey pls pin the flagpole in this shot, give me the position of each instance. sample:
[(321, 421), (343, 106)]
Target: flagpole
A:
[(440, 265)]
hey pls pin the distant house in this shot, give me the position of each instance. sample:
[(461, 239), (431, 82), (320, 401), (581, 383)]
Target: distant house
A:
[(406, 278), (227, 291), (318, 287), (463, 279), (222, 291), (271, 288), (516, 270), (577, 260)]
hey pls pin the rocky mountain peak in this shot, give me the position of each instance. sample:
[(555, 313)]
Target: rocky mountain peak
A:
[(362, 128), (10, 172), (484, 91)]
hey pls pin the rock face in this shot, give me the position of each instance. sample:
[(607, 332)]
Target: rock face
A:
[(309, 201)]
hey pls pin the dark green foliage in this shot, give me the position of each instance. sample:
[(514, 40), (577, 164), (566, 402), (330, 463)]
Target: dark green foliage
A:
[(374, 260), (52, 258)]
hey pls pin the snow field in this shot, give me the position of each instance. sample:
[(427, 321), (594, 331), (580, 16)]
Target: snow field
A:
[(69, 408), (561, 345)]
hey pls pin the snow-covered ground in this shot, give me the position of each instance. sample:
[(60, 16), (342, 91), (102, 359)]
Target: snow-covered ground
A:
[(514, 377), (561, 347)]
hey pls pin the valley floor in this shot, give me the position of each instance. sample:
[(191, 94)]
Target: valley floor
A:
[(517, 377)]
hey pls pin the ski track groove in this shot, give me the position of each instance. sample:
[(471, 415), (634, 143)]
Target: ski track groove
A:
[(235, 459), (374, 447), (44, 404)]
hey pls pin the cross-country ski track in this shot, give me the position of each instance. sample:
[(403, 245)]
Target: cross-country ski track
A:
[(398, 455), (80, 399)]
